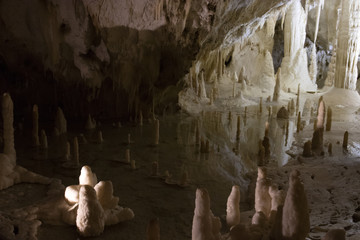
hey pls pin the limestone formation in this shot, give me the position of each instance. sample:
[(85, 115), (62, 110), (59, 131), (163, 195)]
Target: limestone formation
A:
[(44, 141), (90, 123), (76, 152), (60, 122), (262, 196), (238, 128), (233, 208), (328, 119), (282, 113), (295, 218), (90, 218), (298, 123), (205, 226), (157, 134), (153, 230), (87, 177), (345, 140), (276, 94), (317, 139), (330, 149), (35, 130), (307, 149), (348, 46), (104, 191)]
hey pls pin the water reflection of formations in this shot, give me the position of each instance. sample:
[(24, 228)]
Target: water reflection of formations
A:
[(242, 132)]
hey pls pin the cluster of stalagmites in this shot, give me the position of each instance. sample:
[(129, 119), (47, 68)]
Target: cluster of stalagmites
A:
[(278, 215), (315, 145), (91, 205)]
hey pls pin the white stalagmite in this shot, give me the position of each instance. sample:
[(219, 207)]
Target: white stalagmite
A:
[(90, 219), (104, 191), (295, 221), (35, 130), (87, 177), (205, 225), (348, 45), (60, 122), (294, 66), (232, 208), (203, 89), (262, 196)]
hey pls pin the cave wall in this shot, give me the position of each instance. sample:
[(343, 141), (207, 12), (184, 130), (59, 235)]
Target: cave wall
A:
[(107, 58)]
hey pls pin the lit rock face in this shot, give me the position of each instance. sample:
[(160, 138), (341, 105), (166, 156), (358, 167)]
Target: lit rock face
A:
[(348, 47), (294, 66)]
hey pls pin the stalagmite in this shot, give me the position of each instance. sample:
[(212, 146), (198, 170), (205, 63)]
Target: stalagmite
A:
[(104, 191), (276, 94), (298, 98), (184, 179), (127, 155), (295, 218), (348, 45), (262, 196), (328, 119), (233, 209), (238, 129), (60, 122), (90, 219), (35, 130), (153, 230), (321, 114), (76, 152), (292, 107), (140, 118), (157, 134), (155, 169), (203, 89), (330, 149), (67, 151), (298, 124), (345, 140), (44, 142), (132, 164), (205, 226), (90, 123), (260, 105), (87, 177), (100, 137), (307, 149)]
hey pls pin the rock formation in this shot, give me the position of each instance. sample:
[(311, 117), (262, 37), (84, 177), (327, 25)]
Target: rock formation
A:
[(233, 208), (205, 226), (295, 218)]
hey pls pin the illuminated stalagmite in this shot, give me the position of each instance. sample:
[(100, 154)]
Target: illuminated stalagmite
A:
[(348, 45)]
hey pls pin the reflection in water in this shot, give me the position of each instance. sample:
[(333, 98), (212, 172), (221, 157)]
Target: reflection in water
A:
[(222, 129)]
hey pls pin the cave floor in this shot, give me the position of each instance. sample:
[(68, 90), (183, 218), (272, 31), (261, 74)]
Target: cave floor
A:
[(331, 182)]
